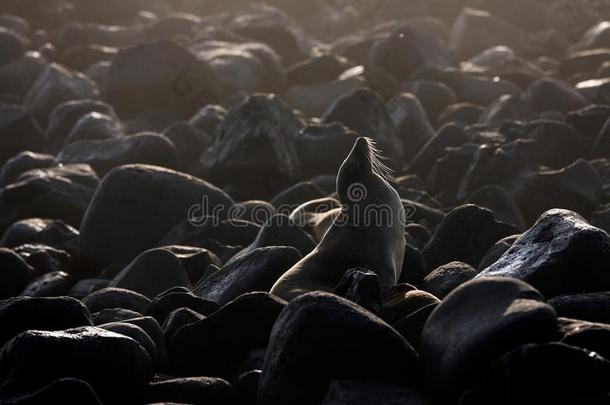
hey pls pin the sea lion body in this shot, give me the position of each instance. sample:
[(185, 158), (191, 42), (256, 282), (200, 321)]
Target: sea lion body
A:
[(368, 233)]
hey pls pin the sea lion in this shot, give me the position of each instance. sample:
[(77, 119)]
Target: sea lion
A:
[(368, 232)]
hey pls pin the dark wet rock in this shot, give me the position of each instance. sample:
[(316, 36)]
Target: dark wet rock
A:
[(448, 136), (446, 174), (477, 30), (195, 260), (592, 307), (197, 230), (279, 230), (314, 99), (246, 67), (177, 319), (255, 153), (247, 386), (506, 108), (423, 214), (406, 49), (433, 96), (289, 199), (82, 57), (66, 115), (208, 118), (15, 273), (113, 364), (217, 344), (164, 304), (598, 36), (256, 271), (557, 144), (411, 122), (54, 284), (68, 391), (476, 323), (151, 273), (45, 259), (584, 61), (443, 280), (497, 251), (470, 88), (94, 127), (12, 45), (175, 25), (189, 143), (105, 154), (361, 286), (256, 211), (208, 390), (498, 200), (418, 233), (601, 218), (52, 314), (586, 335), (54, 86), (87, 286), (15, 23), (597, 90), (60, 192), (35, 230), (113, 11), (402, 305), (549, 256), (461, 114), (348, 392), (308, 332), (364, 112), (115, 298), (601, 147), (160, 77), (466, 234), (413, 266), (23, 162), (135, 206), (576, 187), (543, 373), (552, 94), (413, 324), (224, 252), (154, 331), (109, 315), (18, 132), (319, 145), (138, 334), (317, 69), (589, 122)]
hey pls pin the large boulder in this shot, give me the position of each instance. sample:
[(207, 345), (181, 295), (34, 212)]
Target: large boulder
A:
[(60, 192), (54, 86), (220, 343), (255, 271), (152, 273), (407, 49), (105, 155), (465, 235), (136, 205), (51, 314), (255, 152), (320, 337), (560, 254), (478, 322), (160, 77), (116, 366)]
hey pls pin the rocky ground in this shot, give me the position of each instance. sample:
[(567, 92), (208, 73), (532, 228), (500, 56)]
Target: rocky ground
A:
[(165, 162)]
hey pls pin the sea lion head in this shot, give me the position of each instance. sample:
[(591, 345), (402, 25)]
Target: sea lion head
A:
[(363, 184)]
